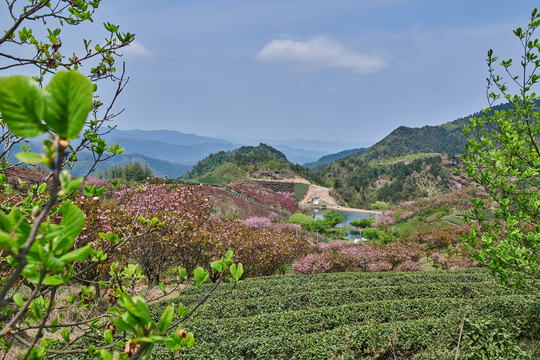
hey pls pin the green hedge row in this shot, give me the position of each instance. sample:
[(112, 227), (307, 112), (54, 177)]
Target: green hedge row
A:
[(327, 318), (291, 284), (398, 339), (230, 306)]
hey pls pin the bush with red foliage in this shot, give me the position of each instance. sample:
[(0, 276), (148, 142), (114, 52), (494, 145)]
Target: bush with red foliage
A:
[(184, 213), (339, 256)]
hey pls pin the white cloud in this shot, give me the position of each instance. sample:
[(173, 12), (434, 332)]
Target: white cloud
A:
[(320, 53), (136, 49)]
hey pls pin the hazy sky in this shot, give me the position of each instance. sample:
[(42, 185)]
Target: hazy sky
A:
[(315, 69)]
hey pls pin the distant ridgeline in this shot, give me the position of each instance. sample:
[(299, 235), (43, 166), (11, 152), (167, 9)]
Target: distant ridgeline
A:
[(225, 166), (447, 138), (328, 159)]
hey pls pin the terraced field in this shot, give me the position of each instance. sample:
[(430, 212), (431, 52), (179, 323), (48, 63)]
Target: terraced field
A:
[(364, 316)]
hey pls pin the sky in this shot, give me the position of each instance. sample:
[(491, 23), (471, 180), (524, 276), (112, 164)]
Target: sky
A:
[(327, 70)]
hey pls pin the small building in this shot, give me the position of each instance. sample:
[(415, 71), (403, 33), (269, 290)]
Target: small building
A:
[(315, 201)]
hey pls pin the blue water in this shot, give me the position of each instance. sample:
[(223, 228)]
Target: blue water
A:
[(349, 216)]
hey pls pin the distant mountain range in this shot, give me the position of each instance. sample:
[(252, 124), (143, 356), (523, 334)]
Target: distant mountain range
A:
[(173, 153)]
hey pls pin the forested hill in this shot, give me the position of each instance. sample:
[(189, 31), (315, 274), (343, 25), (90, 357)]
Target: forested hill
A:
[(447, 138), (240, 162), (327, 159)]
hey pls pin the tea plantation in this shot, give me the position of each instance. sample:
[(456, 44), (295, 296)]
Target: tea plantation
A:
[(364, 316)]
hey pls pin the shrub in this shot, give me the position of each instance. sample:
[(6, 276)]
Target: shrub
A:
[(371, 233), (339, 256), (363, 223), (257, 222), (184, 212)]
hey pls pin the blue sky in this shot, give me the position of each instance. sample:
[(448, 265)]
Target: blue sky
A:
[(316, 69)]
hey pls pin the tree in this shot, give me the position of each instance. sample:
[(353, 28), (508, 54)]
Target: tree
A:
[(38, 234), (502, 156), (32, 42)]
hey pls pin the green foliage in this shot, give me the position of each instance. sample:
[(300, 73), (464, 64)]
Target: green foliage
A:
[(371, 233), (502, 157), (368, 184), (299, 316), (299, 218), (238, 163), (363, 222), (43, 252), (30, 111), (248, 158), (132, 171), (332, 218), (491, 339), (380, 205), (324, 226)]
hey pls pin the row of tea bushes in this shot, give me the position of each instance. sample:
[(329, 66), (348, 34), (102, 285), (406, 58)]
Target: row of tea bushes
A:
[(362, 315), (232, 307)]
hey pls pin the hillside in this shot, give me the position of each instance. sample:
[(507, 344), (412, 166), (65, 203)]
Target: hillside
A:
[(361, 184), (241, 162), (447, 138), (408, 164)]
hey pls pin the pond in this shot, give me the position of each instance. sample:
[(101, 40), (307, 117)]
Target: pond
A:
[(349, 216)]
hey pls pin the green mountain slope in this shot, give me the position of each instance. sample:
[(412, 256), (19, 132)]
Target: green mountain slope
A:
[(447, 138), (238, 163)]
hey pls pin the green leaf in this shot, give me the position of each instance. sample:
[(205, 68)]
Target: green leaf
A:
[(181, 312), (162, 287), (89, 191), (7, 242), (239, 271), (189, 340), (52, 280), (108, 337), (22, 105), (114, 311), (106, 355), (69, 100), (41, 189), (80, 254), (31, 158), (166, 319), (173, 342), (5, 224), (53, 325), (122, 325), (72, 220), (18, 299), (92, 350), (218, 266), (137, 307), (65, 335), (200, 275)]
